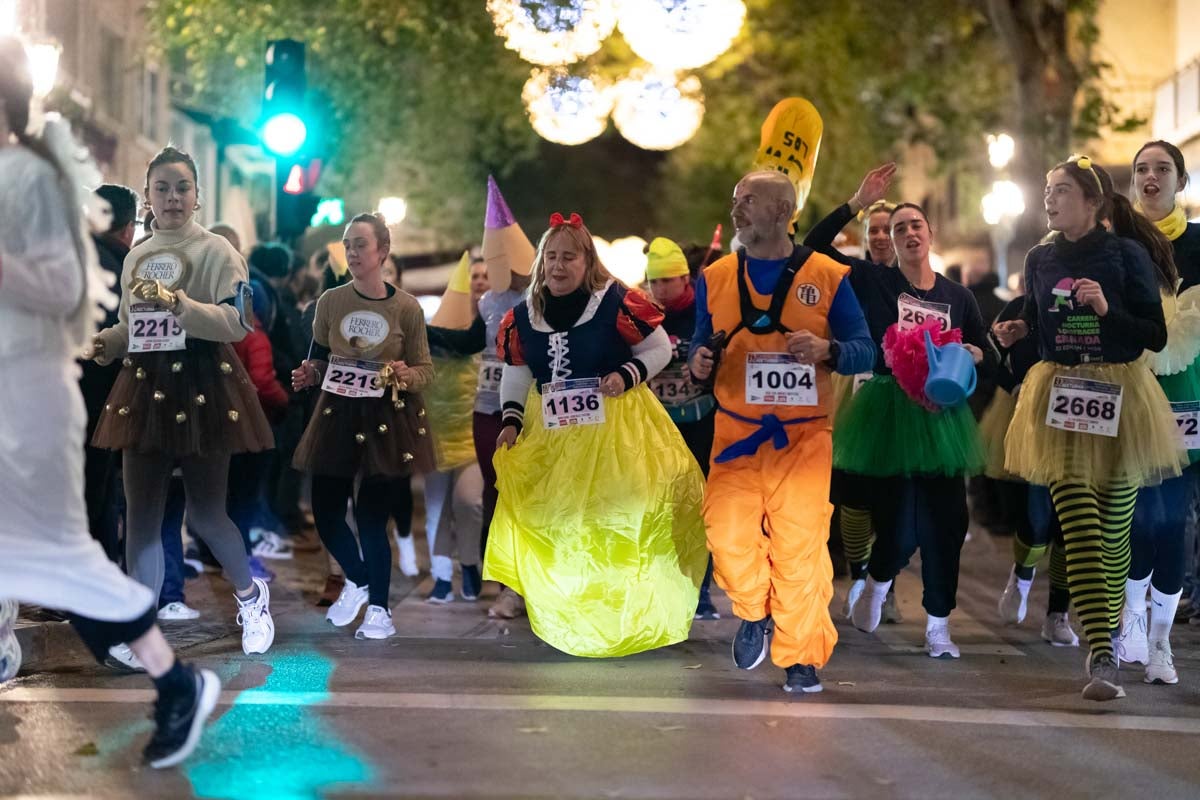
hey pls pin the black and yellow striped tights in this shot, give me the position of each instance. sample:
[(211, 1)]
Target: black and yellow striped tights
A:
[(858, 535), (1095, 524)]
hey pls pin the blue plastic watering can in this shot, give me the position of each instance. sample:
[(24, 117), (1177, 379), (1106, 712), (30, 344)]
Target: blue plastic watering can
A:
[(951, 373)]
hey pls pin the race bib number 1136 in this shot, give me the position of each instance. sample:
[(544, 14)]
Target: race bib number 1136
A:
[(572, 402)]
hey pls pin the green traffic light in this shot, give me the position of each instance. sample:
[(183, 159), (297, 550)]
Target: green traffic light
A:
[(284, 134)]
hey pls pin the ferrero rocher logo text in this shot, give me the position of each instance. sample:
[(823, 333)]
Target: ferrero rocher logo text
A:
[(165, 267), (364, 329)]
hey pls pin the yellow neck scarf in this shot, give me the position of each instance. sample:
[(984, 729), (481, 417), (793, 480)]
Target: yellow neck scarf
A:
[(1172, 225)]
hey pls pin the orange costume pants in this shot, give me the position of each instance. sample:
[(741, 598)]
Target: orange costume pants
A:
[(767, 516)]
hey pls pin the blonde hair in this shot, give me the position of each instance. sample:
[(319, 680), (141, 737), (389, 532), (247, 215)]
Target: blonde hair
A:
[(595, 276)]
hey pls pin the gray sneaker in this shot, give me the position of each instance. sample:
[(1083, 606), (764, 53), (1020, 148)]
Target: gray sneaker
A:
[(1105, 683)]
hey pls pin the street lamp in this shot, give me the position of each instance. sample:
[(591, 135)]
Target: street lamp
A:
[(1000, 149), (1002, 206), (393, 210), (43, 66)]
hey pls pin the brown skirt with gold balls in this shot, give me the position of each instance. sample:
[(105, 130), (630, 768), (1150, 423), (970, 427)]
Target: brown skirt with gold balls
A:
[(368, 436), (197, 401)]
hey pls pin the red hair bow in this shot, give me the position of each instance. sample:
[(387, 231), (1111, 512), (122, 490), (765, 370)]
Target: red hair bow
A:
[(575, 221)]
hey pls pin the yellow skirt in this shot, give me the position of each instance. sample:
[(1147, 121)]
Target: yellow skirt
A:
[(600, 529), (993, 427), (1145, 453)]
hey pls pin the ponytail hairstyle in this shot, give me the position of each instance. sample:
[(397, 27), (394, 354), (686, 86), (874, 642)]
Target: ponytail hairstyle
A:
[(16, 95), (1127, 223)]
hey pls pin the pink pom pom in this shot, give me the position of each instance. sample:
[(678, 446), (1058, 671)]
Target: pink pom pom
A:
[(904, 353)]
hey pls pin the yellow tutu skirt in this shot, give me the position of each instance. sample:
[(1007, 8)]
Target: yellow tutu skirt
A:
[(1145, 453), (993, 427), (599, 528)]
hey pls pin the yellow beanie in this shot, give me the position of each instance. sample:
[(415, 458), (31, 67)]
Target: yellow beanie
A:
[(665, 260)]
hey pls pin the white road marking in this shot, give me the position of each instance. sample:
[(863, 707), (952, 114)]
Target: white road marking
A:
[(704, 707)]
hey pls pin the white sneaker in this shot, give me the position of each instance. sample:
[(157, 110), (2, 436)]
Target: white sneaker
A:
[(1161, 668), (1131, 644), (377, 624), (868, 611), (1057, 630), (1013, 602), (258, 629), (407, 555), (349, 603), (177, 611), (123, 654), (272, 546), (938, 642), (853, 595), (10, 648)]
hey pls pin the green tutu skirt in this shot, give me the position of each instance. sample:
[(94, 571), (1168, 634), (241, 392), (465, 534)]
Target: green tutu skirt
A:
[(1183, 387), (600, 528), (882, 433)]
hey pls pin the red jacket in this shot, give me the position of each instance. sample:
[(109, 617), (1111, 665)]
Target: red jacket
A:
[(255, 354)]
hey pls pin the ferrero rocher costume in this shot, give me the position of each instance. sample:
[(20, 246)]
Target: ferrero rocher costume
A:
[(196, 400), (388, 435)]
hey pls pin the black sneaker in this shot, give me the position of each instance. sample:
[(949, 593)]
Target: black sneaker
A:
[(750, 645), (179, 720), (472, 582), (802, 678), (705, 608)]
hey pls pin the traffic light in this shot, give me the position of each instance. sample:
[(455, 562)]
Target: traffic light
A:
[(284, 128)]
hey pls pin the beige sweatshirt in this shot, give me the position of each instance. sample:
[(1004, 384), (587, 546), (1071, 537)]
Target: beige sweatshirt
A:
[(212, 273), (392, 329)]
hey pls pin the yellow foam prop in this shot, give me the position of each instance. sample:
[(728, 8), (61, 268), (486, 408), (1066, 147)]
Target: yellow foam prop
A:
[(455, 309), (790, 140)]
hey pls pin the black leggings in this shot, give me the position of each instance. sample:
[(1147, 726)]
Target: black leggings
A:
[(925, 512), (100, 636), (1158, 540), (372, 565)]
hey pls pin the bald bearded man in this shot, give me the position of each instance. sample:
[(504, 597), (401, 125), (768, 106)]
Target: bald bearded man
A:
[(784, 318)]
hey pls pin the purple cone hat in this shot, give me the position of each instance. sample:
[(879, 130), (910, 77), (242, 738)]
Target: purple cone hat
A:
[(506, 248)]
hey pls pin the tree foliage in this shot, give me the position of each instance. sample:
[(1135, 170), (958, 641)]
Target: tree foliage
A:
[(425, 99)]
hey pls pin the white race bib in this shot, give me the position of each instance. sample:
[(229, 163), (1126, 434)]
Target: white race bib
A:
[(914, 312), (491, 369), (778, 379), (572, 402), (674, 387), (350, 378), (1187, 419), (153, 329), (1085, 406), (860, 379)]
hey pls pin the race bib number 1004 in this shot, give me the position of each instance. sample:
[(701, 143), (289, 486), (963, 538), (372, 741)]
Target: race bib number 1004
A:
[(153, 329), (1084, 406), (778, 379), (572, 402)]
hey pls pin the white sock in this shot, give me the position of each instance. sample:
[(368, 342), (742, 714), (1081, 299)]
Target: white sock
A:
[(879, 589), (1135, 595), (1162, 613), (1023, 586), (932, 622)]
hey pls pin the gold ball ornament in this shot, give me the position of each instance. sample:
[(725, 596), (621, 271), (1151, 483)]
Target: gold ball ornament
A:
[(327, 412), (407, 457), (421, 413), (140, 374), (226, 367), (399, 404), (421, 431), (201, 399), (123, 411), (159, 396), (358, 437), (176, 366), (383, 428), (127, 361), (108, 406), (233, 416), (181, 418)]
